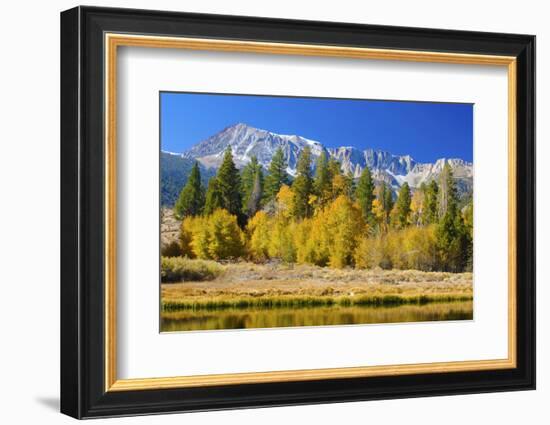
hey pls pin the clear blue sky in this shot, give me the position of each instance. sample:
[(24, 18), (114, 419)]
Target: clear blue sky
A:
[(425, 130)]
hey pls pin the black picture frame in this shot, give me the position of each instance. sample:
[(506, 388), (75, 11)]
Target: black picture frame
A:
[(82, 212)]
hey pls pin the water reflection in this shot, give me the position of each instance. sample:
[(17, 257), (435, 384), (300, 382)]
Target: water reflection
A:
[(313, 316)]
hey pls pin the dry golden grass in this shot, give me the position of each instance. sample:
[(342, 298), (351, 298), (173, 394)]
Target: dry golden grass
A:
[(274, 285)]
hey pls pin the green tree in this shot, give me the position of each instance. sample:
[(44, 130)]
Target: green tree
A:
[(352, 187), (248, 176), (447, 194), (334, 168), (191, 198), (468, 216), (454, 243), (365, 194), (322, 182), (403, 205), (385, 197), (430, 200), (277, 175), (229, 183), (303, 185), (213, 197)]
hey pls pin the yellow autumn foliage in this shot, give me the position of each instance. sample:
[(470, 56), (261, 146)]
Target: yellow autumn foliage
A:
[(410, 248), (281, 243), (258, 232), (285, 202), (213, 237), (330, 237), (417, 208)]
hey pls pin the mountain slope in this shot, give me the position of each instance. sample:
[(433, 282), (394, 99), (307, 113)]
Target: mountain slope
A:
[(246, 141), (174, 172)]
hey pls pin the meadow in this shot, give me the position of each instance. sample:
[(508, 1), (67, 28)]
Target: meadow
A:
[(244, 294)]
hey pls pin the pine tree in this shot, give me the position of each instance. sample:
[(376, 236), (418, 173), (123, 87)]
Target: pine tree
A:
[(191, 198), (453, 241), (468, 216), (468, 219), (365, 194), (403, 206), (386, 200), (255, 197), (447, 195), (277, 175), (213, 197), (431, 195), (322, 180), (303, 185), (351, 185), (334, 168), (229, 183), (248, 176)]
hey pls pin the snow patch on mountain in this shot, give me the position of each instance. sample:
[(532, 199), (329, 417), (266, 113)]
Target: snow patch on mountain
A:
[(246, 141)]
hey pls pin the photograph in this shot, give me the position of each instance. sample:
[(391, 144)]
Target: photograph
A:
[(268, 211), (297, 211)]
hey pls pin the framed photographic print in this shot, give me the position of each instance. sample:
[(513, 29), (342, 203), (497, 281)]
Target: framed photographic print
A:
[(261, 212)]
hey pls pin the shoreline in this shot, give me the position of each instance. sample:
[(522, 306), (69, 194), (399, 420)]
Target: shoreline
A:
[(272, 302)]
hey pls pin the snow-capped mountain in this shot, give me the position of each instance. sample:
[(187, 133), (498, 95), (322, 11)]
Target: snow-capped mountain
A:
[(354, 160), (246, 141)]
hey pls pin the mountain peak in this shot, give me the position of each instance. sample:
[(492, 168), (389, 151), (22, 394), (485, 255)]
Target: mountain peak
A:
[(246, 141), (238, 126)]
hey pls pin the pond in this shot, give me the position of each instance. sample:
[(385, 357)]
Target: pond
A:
[(245, 318)]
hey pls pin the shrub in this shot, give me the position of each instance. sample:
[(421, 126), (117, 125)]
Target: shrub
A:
[(410, 248), (418, 248), (373, 252), (171, 250), (180, 269)]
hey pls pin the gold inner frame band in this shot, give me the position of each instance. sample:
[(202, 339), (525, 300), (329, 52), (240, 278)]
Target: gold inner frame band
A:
[(113, 41)]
